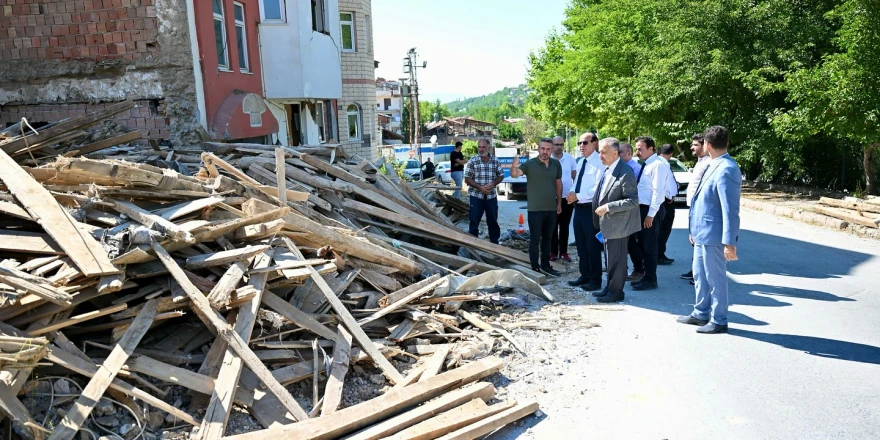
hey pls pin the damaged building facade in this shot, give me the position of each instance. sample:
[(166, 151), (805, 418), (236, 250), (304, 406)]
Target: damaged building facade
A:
[(285, 72)]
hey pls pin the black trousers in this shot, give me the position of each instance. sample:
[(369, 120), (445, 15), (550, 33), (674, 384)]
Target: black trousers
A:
[(559, 239), (635, 252), (589, 248), (616, 251), (649, 240), (665, 229), (541, 224)]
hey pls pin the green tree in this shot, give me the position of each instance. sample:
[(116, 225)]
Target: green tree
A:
[(532, 130), (468, 148)]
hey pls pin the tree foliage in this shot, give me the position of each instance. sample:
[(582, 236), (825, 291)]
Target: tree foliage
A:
[(794, 81)]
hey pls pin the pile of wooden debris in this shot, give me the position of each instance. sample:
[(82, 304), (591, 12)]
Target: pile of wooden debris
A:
[(231, 282), (862, 212)]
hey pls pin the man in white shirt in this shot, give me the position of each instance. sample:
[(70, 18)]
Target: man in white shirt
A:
[(665, 154), (632, 245), (589, 172), (559, 239), (652, 181), (699, 170)]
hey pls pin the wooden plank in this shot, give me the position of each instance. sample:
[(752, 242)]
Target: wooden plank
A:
[(223, 257), (88, 255), (333, 389), (439, 230), (412, 377), (213, 320), (854, 205), (153, 221), (392, 402), (406, 291), (35, 285), (363, 340), (86, 368), (183, 377), (82, 318), (297, 316), (492, 423), (217, 413), (280, 177), (436, 362), (29, 243), (402, 302), (451, 420), (452, 399), (106, 143), (90, 395), (221, 292), (849, 216)]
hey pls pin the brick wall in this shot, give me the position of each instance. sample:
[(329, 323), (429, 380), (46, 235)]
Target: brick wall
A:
[(358, 82), (148, 116), (77, 29)]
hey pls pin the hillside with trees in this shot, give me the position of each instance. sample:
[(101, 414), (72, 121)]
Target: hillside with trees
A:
[(795, 82)]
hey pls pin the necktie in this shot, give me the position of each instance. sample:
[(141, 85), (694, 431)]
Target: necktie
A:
[(641, 170), (598, 195), (577, 186)]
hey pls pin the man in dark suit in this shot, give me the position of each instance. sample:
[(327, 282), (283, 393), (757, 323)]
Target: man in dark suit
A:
[(617, 215)]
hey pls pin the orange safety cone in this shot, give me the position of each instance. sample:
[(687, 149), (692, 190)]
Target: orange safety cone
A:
[(522, 228)]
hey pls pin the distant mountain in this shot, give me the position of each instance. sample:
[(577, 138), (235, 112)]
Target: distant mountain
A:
[(515, 96)]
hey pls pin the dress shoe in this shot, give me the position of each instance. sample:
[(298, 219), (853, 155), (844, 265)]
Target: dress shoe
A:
[(663, 261), (552, 257), (592, 286), (550, 271), (611, 298), (600, 294), (566, 258), (691, 320), (693, 283), (687, 276), (712, 328), (635, 276), (578, 282), (645, 285)]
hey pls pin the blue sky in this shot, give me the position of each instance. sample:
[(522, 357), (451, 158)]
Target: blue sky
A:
[(473, 47)]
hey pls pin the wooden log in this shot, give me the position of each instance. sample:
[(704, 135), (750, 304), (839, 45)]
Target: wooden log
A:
[(341, 357), (217, 413), (857, 206), (851, 217), (86, 368), (395, 401), (441, 231), (183, 377), (452, 399), (296, 316), (106, 143), (80, 247), (387, 369), (451, 420), (223, 257), (90, 395), (214, 321), (492, 423)]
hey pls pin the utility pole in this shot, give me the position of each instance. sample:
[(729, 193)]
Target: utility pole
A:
[(410, 66)]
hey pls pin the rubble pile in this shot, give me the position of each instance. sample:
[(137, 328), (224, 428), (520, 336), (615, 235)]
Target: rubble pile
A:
[(149, 292)]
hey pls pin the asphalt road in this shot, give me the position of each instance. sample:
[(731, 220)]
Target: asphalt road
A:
[(801, 361)]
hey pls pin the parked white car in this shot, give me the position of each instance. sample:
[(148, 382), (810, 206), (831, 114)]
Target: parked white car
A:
[(443, 172), (683, 177)]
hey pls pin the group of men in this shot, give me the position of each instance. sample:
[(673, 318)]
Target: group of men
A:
[(623, 207)]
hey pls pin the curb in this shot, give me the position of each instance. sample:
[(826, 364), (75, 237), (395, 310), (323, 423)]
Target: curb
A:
[(809, 217)]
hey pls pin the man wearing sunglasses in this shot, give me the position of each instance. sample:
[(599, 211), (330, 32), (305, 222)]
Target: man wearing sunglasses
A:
[(559, 240), (589, 171)]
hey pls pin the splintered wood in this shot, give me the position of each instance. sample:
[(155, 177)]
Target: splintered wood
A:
[(231, 272)]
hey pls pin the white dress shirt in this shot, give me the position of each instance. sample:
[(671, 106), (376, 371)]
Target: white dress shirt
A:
[(592, 170), (609, 172), (652, 184), (699, 170), (569, 165), (671, 184)]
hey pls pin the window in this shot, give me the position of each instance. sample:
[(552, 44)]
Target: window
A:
[(387, 103), (241, 37), (354, 121), (272, 11), (367, 35), (319, 18), (346, 22), (220, 34)]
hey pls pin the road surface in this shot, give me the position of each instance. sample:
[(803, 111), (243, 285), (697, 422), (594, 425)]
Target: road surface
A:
[(801, 361)]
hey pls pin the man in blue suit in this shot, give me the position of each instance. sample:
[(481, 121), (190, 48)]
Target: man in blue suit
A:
[(714, 231)]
